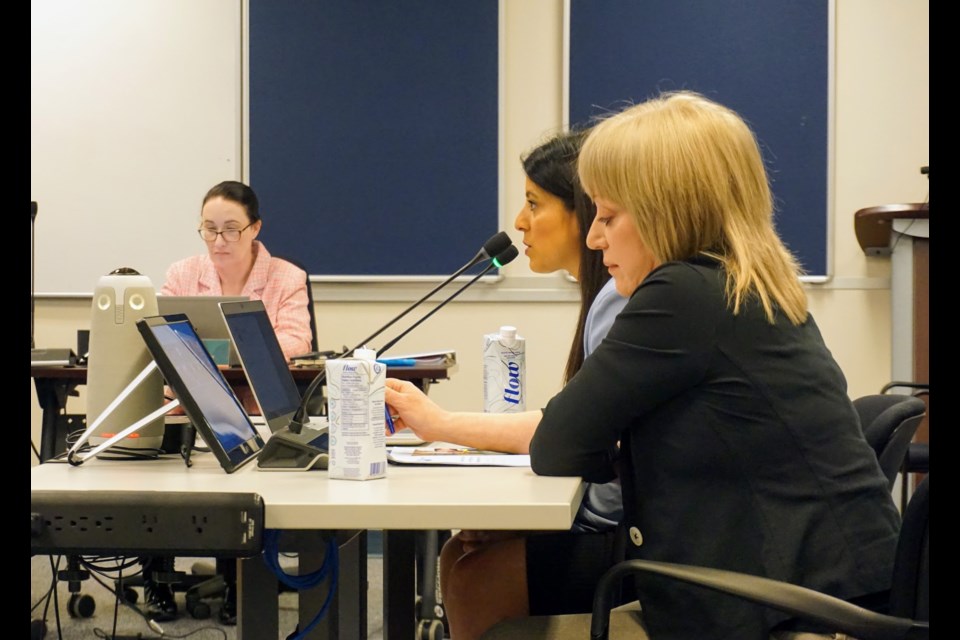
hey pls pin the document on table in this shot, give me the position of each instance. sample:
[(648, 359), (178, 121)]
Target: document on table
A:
[(443, 453), (404, 438)]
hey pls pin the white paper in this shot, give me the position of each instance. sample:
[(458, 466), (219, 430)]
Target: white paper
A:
[(420, 455)]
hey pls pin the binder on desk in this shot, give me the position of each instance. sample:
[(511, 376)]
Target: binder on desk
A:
[(443, 356), (52, 357)]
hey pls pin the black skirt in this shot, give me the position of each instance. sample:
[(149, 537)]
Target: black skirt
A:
[(563, 569)]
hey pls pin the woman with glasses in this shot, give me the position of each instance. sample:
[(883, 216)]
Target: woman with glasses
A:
[(237, 264)]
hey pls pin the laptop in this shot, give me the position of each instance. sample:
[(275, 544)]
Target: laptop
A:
[(274, 389), (203, 392), (204, 313)]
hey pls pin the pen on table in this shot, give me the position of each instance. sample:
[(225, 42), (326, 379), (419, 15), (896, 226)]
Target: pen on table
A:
[(397, 362), (386, 413)]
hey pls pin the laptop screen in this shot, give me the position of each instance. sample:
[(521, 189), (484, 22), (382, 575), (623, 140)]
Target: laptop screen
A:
[(204, 313), (263, 363), (205, 395)]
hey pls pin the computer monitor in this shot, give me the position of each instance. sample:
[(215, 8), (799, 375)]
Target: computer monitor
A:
[(262, 360), (275, 391)]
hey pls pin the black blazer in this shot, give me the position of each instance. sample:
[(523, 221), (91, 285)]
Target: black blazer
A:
[(740, 450)]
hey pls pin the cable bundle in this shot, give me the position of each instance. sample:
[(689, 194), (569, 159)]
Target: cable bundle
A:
[(331, 562)]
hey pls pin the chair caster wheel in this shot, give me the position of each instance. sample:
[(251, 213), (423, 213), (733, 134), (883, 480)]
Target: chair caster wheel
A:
[(38, 629), (81, 605), (430, 630), (199, 610), (130, 595)]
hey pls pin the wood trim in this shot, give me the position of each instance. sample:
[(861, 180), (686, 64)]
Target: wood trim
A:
[(873, 225)]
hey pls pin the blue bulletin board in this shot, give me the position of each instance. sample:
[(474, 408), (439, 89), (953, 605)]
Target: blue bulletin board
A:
[(767, 59), (374, 132)]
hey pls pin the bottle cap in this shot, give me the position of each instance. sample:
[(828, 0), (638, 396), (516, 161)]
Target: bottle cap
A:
[(365, 354), (508, 332)]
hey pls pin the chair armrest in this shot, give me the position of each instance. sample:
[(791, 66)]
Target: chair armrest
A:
[(918, 387), (799, 601)]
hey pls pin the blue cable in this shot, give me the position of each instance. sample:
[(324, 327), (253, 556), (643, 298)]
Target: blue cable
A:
[(331, 565)]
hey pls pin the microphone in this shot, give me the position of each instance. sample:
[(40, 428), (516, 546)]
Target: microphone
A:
[(504, 256), (496, 245)]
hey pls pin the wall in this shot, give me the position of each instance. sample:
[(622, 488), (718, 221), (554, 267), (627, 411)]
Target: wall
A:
[(882, 139), (130, 126)]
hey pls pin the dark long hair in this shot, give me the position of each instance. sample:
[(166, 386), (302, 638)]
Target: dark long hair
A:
[(552, 166)]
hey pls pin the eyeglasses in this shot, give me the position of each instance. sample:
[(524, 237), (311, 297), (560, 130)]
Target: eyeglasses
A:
[(229, 235)]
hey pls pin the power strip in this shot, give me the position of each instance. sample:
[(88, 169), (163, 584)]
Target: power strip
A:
[(127, 523)]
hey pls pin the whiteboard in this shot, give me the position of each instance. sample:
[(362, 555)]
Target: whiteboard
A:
[(135, 112)]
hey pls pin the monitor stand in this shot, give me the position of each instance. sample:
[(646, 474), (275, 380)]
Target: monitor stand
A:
[(288, 451), (73, 455), (187, 438)]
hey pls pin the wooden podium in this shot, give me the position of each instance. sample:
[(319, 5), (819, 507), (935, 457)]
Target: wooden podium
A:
[(902, 232)]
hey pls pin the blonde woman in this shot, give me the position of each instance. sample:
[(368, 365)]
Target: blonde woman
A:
[(739, 447)]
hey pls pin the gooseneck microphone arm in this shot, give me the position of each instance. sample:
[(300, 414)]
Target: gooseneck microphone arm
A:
[(504, 256), (491, 248)]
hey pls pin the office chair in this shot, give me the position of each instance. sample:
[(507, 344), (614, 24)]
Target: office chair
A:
[(199, 586), (917, 459), (430, 615), (313, 317), (908, 617), (316, 406), (889, 422)]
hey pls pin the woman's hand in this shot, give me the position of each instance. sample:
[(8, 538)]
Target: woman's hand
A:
[(414, 410)]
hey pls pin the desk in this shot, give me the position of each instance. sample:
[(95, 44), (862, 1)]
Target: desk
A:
[(409, 499), (55, 384)]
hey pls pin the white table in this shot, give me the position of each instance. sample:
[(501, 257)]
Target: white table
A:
[(410, 498)]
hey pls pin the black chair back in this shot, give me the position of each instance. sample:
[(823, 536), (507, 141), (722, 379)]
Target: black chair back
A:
[(889, 422), (313, 318), (910, 591)]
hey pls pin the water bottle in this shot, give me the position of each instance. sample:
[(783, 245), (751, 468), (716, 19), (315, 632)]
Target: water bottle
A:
[(504, 372)]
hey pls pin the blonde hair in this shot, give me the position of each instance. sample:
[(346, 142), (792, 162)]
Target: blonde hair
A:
[(690, 172)]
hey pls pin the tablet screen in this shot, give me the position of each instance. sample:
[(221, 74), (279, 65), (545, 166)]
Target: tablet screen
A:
[(205, 395)]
